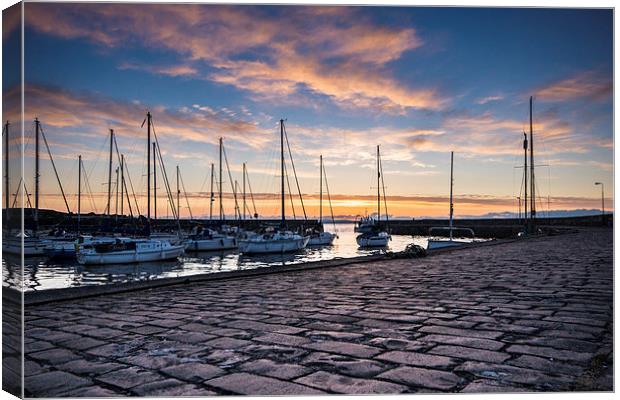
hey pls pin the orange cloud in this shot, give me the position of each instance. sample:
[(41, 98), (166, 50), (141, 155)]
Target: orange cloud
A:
[(339, 54), (587, 84), (90, 115)]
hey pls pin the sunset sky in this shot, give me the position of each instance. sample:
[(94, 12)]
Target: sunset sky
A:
[(421, 82)]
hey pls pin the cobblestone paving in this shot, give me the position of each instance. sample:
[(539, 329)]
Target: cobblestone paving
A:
[(534, 315)]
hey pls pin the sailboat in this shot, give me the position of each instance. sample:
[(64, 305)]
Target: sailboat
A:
[(438, 243), (376, 236), (125, 250), (31, 243), (322, 238), (209, 239), (280, 241)]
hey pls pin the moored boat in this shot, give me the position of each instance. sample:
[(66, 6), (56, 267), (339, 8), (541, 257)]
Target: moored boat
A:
[(276, 242), (128, 250), (374, 235), (322, 239), (435, 243), (281, 241), (373, 239), (31, 245), (210, 240)]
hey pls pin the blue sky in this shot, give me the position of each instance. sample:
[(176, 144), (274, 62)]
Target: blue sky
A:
[(419, 81)]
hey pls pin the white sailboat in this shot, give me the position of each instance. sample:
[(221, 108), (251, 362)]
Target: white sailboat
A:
[(438, 243), (282, 241), (209, 240), (323, 238), (128, 250), (131, 250), (375, 236)]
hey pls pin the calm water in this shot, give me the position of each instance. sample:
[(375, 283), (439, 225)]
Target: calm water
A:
[(41, 274)]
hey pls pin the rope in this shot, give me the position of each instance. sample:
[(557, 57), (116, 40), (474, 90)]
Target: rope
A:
[(329, 199), (62, 191), (247, 177), (232, 183), (191, 217), (295, 174)]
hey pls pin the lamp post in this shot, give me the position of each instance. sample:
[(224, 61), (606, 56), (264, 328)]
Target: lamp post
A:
[(602, 200)]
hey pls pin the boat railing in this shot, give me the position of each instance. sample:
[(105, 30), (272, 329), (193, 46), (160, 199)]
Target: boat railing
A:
[(444, 231)]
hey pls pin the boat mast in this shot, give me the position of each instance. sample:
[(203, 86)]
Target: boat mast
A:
[(321, 189), (122, 182), (109, 207), (282, 166), (6, 171), (220, 183), (116, 198), (212, 194), (532, 180), (154, 181), (178, 196), (148, 173), (451, 185), (36, 174), (525, 146), (244, 191), (378, 188), (79, 202)]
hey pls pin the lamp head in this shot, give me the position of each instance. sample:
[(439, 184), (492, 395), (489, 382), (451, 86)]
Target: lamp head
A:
[(597, 183)]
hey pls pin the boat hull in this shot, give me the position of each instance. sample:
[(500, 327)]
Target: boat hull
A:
[(372, 241), (32, 246), (272, 246), (224, 243), (442, 244), (323, 239), (131, 256), (65, 250)]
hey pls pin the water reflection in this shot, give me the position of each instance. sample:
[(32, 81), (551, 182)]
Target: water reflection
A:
[(41, 273)]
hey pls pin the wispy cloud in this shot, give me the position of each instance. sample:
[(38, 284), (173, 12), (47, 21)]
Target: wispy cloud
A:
[(330, 51), (490, 99), (169, 70), (90, 115), (588, 84)]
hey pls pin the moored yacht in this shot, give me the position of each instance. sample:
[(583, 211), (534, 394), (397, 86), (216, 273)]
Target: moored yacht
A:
[(209, 240), (375, 235), (274, 242), (128, 250), (32, 245), (373, 239), (281, 241), (319, 237), (438, 243)]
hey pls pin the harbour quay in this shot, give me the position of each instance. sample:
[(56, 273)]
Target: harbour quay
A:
[(523, 315)]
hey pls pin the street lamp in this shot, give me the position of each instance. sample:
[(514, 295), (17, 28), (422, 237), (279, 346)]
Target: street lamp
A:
[(602, 199)]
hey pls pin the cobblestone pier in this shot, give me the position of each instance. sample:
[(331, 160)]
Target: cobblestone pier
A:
[(532, 315)]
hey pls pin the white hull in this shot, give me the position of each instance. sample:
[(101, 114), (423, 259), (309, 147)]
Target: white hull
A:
[(441, 244), (322, 239), (223, 243), (32, 246), (257, 246), (131, 256), (373, 241)]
